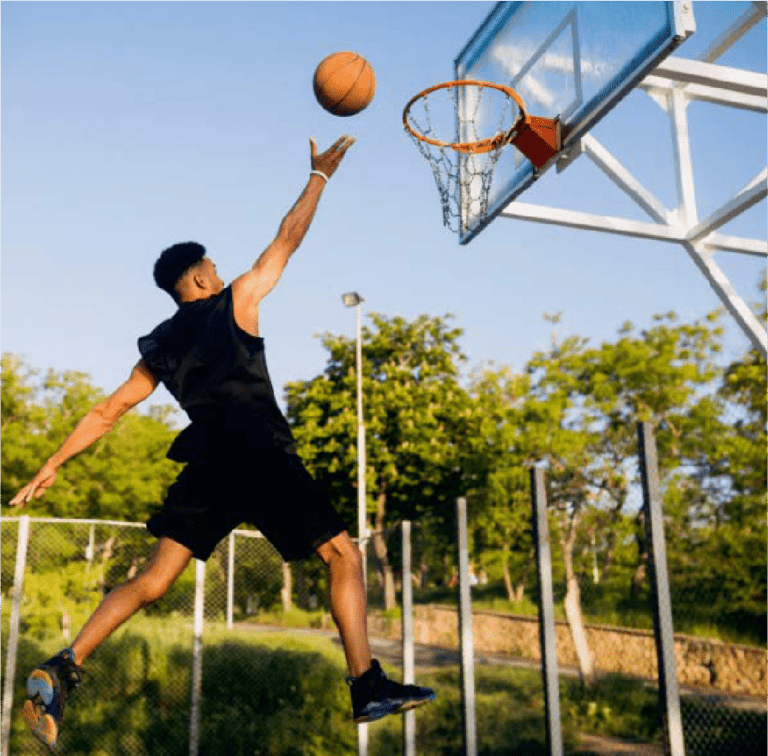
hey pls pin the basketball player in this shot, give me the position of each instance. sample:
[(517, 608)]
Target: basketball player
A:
[(241, 462)]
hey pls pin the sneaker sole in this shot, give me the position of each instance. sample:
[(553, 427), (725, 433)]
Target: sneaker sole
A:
[(41, 725), (40, 683), (386, 711)]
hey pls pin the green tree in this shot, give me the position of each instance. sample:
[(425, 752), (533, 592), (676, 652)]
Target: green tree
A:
[(557, 434), (414, 412), (500, 504)]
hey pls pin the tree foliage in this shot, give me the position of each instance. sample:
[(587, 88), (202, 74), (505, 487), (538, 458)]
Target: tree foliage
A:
[(414, 414)]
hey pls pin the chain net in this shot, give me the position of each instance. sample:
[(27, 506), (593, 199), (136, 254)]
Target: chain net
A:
[(459, 114)]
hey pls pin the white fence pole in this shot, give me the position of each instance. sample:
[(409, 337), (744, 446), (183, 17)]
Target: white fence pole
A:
[(547, 634), (230, 579), (13, 637), (409, 673), (197, 658), (669, 694), (465, 634)]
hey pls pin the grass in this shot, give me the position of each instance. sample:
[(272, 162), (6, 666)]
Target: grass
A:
[(279, 694)]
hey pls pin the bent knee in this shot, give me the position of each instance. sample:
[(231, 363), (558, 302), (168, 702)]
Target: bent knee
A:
[(341, 548), (151, 587)]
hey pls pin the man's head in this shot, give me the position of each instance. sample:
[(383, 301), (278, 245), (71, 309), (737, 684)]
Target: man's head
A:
[(186, 273)]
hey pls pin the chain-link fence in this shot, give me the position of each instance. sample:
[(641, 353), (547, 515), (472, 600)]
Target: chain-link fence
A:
[(265, 676), (135, 696), (267, 687), (601, 563)]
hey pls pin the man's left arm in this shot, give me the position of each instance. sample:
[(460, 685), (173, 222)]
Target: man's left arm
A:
[(96, 423)]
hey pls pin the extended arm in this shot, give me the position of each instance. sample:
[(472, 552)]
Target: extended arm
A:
[(250, 288), (99, 420)]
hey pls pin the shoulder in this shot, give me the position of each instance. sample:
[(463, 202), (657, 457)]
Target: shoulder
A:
[(246, 296)]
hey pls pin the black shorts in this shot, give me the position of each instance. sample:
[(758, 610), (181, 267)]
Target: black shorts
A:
[(272, 491)]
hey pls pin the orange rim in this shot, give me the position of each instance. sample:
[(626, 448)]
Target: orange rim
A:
[(482, 145)]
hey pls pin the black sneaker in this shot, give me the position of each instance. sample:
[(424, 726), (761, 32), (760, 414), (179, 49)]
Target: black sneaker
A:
[(47, 689), (374, 696)]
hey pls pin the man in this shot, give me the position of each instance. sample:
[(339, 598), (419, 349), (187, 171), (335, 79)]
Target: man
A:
[(241, 464)]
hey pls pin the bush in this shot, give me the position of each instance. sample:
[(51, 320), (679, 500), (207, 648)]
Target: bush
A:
[(509, 712), (260, 700)]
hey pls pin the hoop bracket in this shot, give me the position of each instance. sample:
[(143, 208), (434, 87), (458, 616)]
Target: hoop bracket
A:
[(539, 139)]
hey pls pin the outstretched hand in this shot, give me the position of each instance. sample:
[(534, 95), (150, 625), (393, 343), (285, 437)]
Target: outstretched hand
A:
[(36, 487), (327, 162)]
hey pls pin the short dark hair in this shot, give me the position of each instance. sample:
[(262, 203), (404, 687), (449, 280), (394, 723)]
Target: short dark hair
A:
[(174, 262)]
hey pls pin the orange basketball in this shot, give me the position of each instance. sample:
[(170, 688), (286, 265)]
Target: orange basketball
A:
[(344, 83)]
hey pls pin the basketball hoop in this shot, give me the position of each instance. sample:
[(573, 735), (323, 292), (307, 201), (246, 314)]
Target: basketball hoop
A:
[(462, 159)]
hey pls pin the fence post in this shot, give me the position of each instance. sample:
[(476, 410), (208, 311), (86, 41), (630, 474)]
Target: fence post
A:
[(465, 634), (13, 636), (409, 677), (669, 695), (230, 579), (547, 636), (197, 658)]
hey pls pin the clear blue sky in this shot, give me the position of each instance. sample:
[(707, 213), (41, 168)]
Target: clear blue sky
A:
[(127, 126)]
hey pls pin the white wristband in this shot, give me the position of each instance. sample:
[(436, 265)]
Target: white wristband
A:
[(321, 174)]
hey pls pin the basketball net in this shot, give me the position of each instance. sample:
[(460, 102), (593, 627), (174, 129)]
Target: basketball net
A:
[(458, 117)]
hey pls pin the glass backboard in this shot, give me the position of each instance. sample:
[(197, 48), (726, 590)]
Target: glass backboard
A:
[(568, 60)]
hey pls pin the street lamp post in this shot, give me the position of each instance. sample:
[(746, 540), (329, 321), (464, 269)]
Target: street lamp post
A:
[(353, 299)]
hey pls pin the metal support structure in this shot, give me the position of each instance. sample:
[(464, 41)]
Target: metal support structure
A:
[(673, 84), (409, 671), (467, 657), (669, 695), (547, 636), (197, 659), (13, 634)]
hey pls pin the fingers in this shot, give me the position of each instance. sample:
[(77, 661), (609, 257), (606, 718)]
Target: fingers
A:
[(33, 490), (341, 145), (312, 148), (22, 497)]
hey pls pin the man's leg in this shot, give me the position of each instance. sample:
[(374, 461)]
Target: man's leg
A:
[(373, 695), (49, 685), (168, 561), (347, 597)]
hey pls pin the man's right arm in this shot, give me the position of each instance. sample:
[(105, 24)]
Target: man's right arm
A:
[(250, 288), (99, 421)]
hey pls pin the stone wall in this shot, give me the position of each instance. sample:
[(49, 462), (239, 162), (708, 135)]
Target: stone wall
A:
[(700, 662)]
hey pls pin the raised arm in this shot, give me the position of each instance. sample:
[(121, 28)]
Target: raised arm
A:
[(250, 288), (99, 420)]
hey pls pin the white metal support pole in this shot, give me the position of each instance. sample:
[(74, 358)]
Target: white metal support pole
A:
[(230, 579), (669, 695), (197, 658), (681, 149), (362, 529), (409, 671), (547, 636), (752, 327), (13, 635), (465, 634)]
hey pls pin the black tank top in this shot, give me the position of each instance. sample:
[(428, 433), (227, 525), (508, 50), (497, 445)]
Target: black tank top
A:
[(218, 374)]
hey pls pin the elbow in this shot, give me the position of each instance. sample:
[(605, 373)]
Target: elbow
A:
[(106, 414)]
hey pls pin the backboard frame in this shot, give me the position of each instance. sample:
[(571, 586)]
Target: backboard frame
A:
[(679, 26)]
